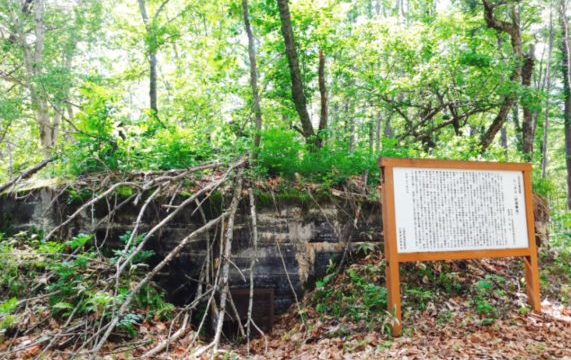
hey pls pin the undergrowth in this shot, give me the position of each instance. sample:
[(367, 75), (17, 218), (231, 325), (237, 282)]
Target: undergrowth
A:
[(465, 292), (64, 279), (107, 141)]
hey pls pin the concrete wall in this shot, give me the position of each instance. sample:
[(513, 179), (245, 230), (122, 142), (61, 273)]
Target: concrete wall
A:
[(297, 239)]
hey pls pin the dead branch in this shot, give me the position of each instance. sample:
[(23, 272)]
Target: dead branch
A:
[(159, 348), (87, 204), (27, 174), (131, 296), (226, 265), (249, 321), (207, 189)]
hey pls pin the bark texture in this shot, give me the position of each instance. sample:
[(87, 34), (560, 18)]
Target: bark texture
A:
[(33, 63), (298, 93), (152, 57), (253, 72), (566, 68), (514, 31), (544, 157), (527, 126), (324, 114)]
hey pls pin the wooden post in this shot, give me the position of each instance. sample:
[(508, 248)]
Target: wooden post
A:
[(391, 255), (531, 262)]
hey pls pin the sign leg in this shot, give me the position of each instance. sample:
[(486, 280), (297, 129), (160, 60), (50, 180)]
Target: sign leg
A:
[(394, 299), (532, 281)]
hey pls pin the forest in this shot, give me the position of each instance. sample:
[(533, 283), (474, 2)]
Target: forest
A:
[(132, 122)]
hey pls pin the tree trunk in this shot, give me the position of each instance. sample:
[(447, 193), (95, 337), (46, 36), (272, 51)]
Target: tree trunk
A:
[(497, 123), (378, 125), (152, 54), (48, 130), (514, 31), (566, 67), (371, 136), (253, 73), (323, 118), (388, 128), (153, 83), (544, 158), (504, 138), (527, 127), (352, 137), (295, 73)]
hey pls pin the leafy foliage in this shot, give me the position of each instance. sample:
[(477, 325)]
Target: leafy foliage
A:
[(356, 295), (71, 282)]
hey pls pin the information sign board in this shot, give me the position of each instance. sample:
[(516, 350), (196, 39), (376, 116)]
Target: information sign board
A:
[(449, 210)]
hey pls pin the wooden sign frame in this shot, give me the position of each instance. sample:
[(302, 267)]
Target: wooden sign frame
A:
[(394, 258)]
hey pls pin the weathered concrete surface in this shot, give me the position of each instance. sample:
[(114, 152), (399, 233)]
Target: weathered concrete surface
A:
[(296, 240)]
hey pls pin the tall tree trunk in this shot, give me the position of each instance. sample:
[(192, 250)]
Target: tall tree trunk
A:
[(253, 73), (514, 31), (295, 73), (33, 61), (348, 115), (152, 57), (352, 135), (388, 128), (544, 158), (504, 138), (527, 127), (153, 83), (47, 129), (371, 136), (378, 125), (567, 92), (324, 114)]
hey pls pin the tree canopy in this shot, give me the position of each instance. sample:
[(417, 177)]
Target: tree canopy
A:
[(148, 84)]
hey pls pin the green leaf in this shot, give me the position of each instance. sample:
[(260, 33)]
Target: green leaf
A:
[(62, 306), (9, 306)]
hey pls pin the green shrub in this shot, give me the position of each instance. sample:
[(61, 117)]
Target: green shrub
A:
[(73, 284), (486, 292), (172, 148), (280, 152), (355, 294), (283, 153), (96, 146)]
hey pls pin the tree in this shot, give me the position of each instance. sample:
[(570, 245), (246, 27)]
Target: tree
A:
[(544, 157), (253, 72), (39, 43), (152, 42), (527, 126), (33, 15), (512, 28), (297, 90), (324, 114), (566, 72)]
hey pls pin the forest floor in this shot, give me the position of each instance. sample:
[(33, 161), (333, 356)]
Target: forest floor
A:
[(453, 310), (469, 315), (517, 336)]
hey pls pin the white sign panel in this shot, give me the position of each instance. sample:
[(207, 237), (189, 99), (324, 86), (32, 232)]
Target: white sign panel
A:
[(459, 210)]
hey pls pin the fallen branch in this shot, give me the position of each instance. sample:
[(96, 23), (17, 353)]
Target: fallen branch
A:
[(86, 205), (207, 189), (27, 174), (226, 265), (131, 296), (159, 348), (250, 321)]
